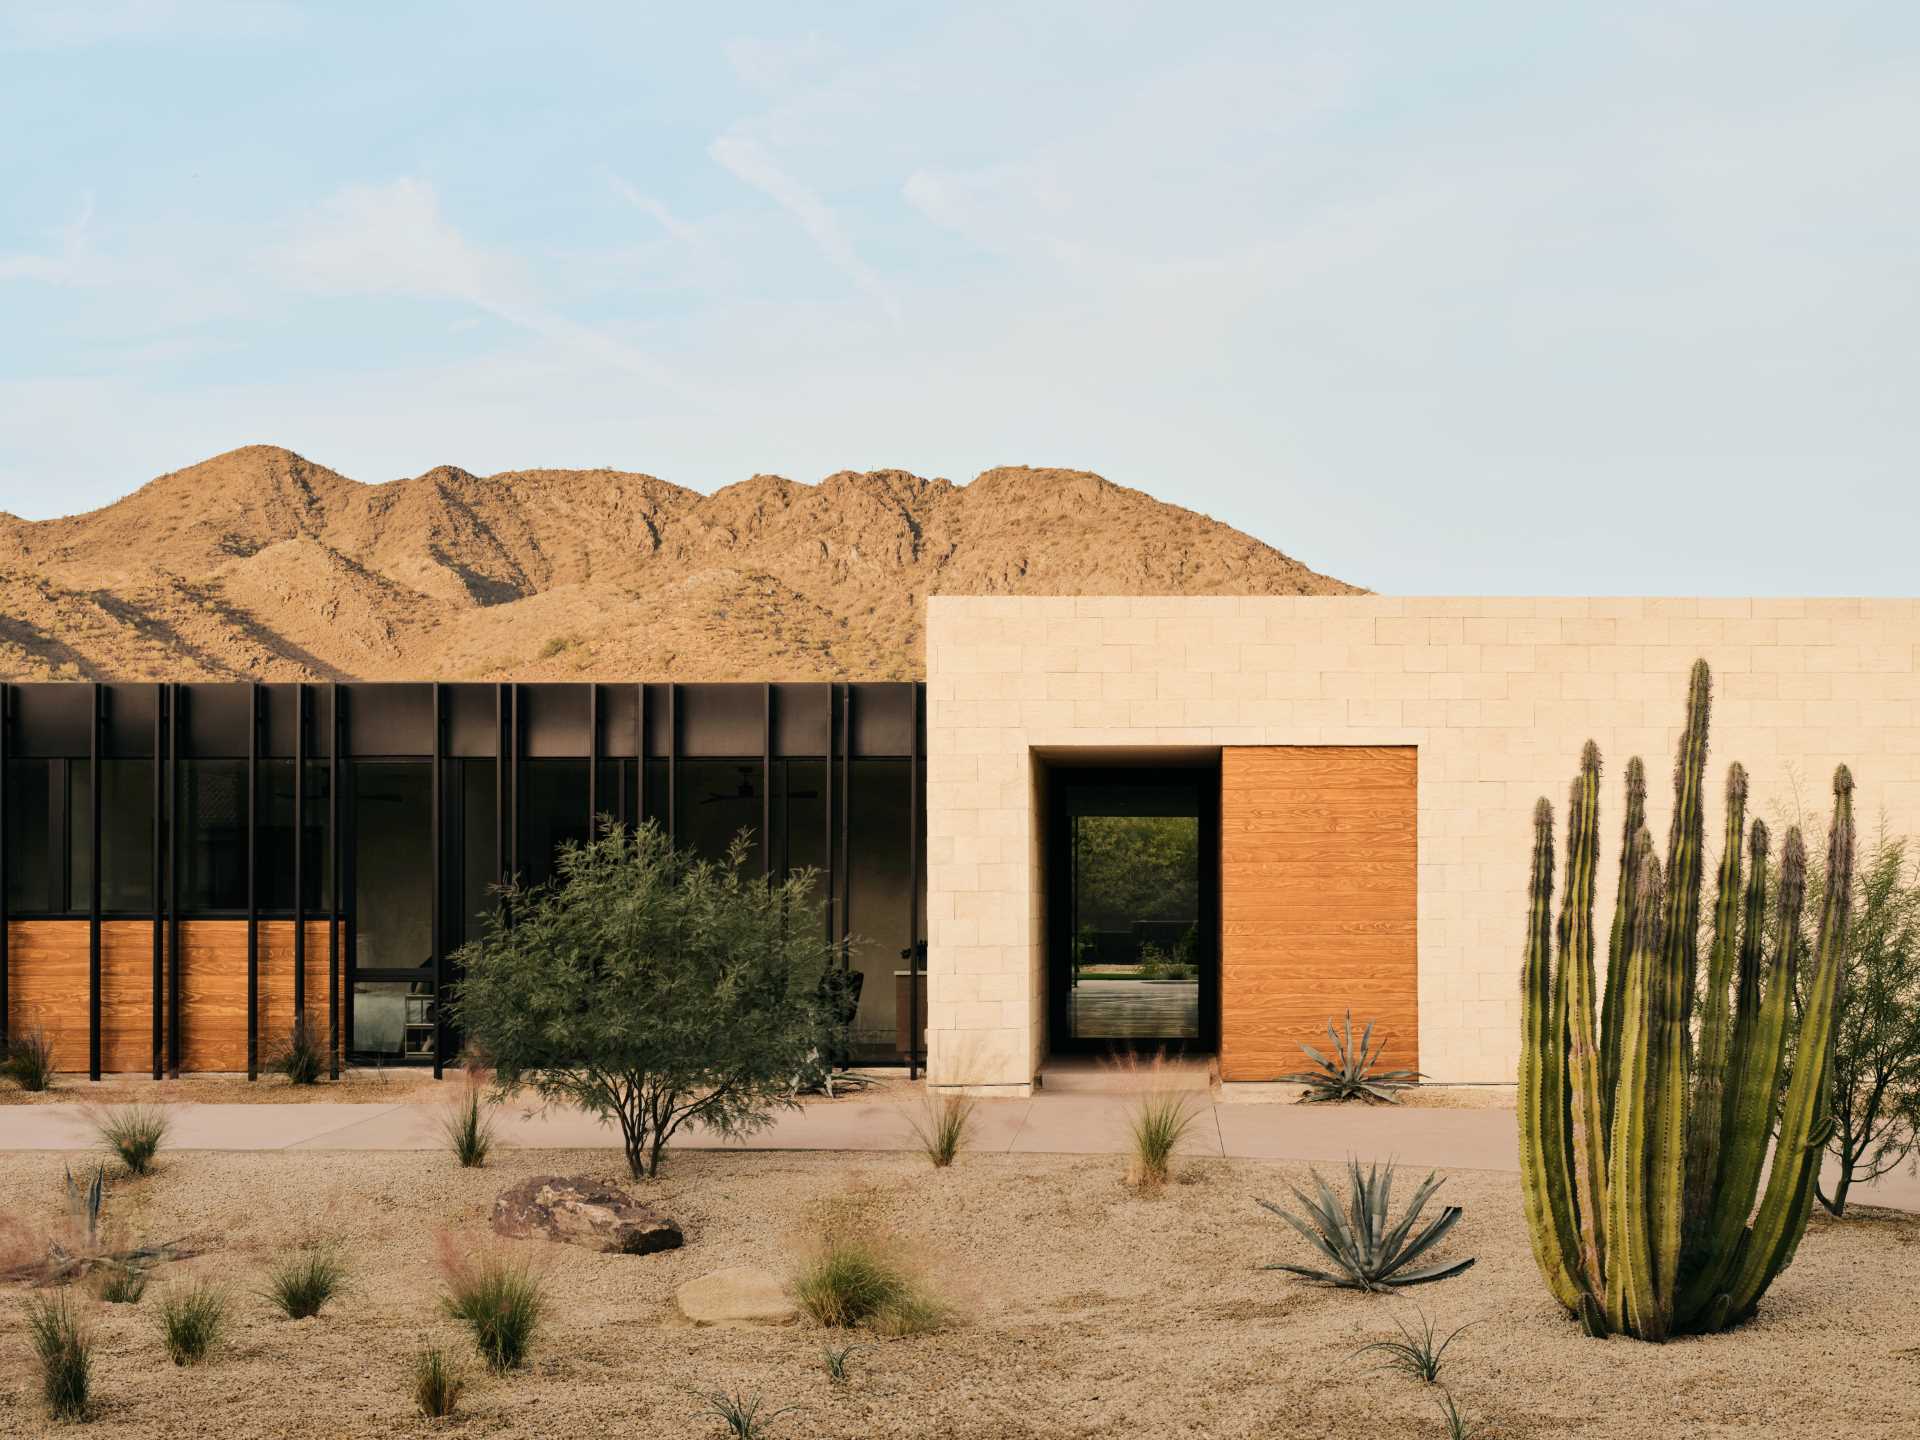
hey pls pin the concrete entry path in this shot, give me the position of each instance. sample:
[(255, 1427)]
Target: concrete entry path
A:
[(1418, 1137)]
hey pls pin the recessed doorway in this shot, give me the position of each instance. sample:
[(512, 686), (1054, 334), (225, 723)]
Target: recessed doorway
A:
[(1133, 907)]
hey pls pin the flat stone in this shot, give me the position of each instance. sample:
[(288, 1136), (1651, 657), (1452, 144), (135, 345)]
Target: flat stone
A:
[(582, 1211), (738, 1295)]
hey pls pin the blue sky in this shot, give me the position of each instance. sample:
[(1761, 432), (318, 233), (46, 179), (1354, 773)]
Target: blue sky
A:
[(1437, 298)]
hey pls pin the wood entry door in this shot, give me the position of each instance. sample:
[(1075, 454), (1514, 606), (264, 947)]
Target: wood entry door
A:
[(1317, 903)]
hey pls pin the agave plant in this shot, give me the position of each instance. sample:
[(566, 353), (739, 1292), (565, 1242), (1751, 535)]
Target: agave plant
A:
[(1350, 1075), (1366, 1252)]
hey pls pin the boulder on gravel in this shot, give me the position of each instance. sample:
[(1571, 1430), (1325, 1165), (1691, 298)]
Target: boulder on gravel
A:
[(738, 1295), (583, 1211)]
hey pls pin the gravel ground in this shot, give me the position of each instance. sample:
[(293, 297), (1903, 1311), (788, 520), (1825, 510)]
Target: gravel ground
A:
[(1086, 1310)]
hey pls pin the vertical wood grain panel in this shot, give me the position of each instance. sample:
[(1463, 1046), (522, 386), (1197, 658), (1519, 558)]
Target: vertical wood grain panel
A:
[(213, 995), (276, 984), (1318, 869), (126, 996)]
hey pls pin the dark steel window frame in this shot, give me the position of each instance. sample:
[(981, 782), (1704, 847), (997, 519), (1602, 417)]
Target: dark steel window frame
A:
[(64, 735)]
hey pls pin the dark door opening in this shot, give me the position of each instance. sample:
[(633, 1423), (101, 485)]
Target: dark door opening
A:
[(1133, 910)]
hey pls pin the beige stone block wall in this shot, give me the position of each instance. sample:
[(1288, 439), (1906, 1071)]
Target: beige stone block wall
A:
[(1498, 694)]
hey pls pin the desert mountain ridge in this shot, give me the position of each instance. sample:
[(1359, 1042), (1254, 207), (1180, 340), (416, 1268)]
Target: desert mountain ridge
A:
[(261, 565)]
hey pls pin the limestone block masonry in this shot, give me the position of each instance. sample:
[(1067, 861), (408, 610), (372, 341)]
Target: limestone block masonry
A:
[(1497, 696)]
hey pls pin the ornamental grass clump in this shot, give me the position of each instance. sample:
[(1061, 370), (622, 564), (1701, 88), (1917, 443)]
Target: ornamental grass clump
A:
[(438, 1381), (62, 1343), (135, 1133), (27, 1059), (301, 1057), (501, 1300), (1643, 1144), (1351, 1072), (854, 1277), (1363, 1250), (1161, 1114), (192, 1318), (849, 1280), (941, 1127), (120, 1284), (468, 1124), (300, 1285)]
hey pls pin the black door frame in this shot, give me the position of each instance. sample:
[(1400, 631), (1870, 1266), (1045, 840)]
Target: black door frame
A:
[(1204, 782)]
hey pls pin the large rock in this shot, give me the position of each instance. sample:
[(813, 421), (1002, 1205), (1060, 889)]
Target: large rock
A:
[(739, 1295), (583, 1211)]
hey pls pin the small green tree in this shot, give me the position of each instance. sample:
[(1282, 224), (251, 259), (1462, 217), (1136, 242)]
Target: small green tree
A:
[(652, 988), (1876, 1048)]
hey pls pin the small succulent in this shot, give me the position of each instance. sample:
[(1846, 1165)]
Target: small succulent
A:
[(1350, 1075), (1367, 1253), (743, 1415), (1418, 1352)]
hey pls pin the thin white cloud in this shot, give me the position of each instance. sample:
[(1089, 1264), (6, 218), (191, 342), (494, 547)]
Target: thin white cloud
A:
[(392, 239), (748, 160), (668, 221)]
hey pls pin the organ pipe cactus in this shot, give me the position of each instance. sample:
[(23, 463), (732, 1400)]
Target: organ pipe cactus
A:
[(1642, 1147)]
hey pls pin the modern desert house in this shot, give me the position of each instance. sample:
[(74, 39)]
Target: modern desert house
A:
[(1204, 824)]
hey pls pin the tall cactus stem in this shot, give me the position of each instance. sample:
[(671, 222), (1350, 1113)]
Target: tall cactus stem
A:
[(1545, 1183), (1805, 1113), (1631, 1305), (1576, 982), (1704, 1112), (1617, 939), (1672, 991)]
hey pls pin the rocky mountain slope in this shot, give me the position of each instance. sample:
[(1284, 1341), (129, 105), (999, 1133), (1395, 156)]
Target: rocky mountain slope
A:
[(259, 564)]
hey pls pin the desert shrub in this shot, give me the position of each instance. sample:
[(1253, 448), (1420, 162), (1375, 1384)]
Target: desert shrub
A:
[(941, 1126), (302, 1056), (192, 1319), (745, 1416), (468, 1126), (1365, 1250), (653, 988), (1876, 1040), (1350, 1073), (120, 1284), (300, 1284), (437, 1383), (63, 1346), (500, 1299), (134, 1133), (1417, 1352), (27, 1058)]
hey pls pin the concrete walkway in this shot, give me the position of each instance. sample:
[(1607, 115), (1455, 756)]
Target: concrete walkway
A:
[(1419, 1138)]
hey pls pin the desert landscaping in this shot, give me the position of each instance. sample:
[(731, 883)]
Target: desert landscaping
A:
[(1077, 1304)]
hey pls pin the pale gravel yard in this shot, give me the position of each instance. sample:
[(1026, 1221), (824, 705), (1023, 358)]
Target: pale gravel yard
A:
[(1086, 1309)]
